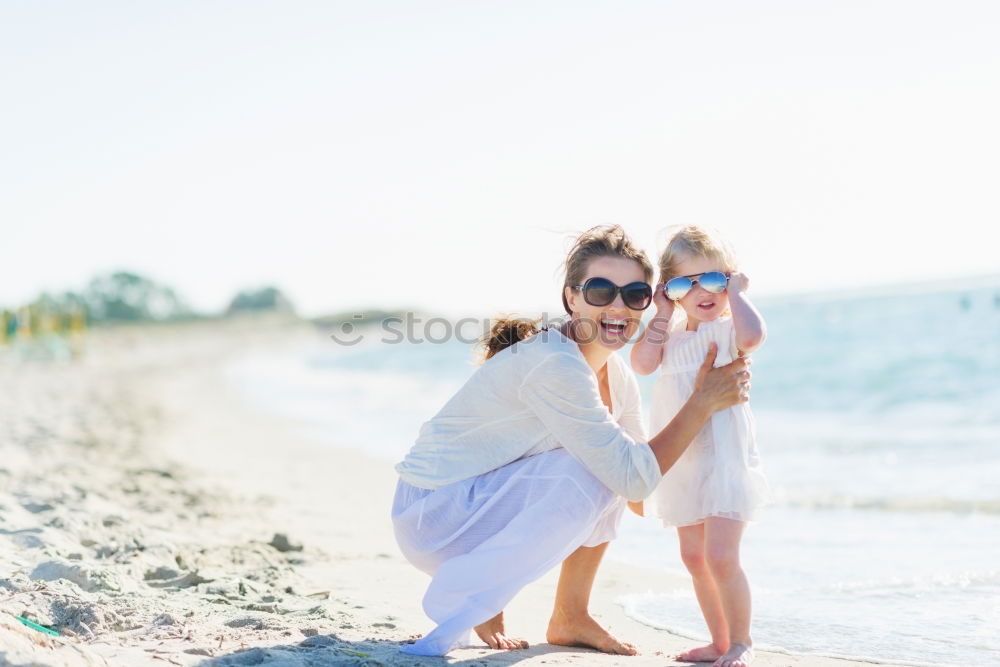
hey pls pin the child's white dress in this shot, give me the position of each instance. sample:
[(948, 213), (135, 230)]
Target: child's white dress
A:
[(720, 472)]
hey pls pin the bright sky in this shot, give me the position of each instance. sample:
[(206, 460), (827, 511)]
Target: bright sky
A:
[(437, 154)]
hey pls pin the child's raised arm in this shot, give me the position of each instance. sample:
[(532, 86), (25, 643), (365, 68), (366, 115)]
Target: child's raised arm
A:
[(648, 352), (748, 323)]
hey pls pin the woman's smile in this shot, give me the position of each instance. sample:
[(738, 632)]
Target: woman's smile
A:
[(615, 326)]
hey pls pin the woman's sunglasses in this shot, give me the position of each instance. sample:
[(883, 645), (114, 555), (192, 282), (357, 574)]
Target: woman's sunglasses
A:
[(601, 292), (713, 281)]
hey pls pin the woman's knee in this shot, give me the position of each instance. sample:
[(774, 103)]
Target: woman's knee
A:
[(579, 476)]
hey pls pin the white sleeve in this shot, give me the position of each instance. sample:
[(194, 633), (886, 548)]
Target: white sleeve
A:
[(562, 391), (631, 417)]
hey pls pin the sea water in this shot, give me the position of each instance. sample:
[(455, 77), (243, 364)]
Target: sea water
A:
[(878, 421)]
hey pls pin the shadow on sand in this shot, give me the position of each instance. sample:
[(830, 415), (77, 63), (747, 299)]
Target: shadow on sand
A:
[(325, 650)]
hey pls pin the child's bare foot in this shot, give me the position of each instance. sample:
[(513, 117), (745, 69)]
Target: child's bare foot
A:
[(738, 655), (493, 634), (709, 653), (585, 631)]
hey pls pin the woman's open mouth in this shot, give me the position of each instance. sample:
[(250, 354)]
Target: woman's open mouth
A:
[(706, 305), (613, 326)]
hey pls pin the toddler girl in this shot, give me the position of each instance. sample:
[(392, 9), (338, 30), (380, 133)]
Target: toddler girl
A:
[(717, 484)]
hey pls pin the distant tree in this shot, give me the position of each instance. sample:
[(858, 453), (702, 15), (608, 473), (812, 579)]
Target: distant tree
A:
[(123, 296), (262, 299), (60, 304), (74, 302)]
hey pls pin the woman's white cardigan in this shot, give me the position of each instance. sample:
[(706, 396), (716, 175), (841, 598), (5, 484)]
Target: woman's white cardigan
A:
[(534, 396)]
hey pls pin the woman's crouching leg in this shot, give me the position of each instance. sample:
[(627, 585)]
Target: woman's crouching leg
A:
[(527, 517)]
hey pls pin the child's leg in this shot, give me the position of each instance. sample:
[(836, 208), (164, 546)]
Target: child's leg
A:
[(692, 539), (722, 553)]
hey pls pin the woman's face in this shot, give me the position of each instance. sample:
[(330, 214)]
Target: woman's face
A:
[(610, 326)]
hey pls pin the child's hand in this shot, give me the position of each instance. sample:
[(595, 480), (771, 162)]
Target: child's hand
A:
[(738, 282), (664, 306)]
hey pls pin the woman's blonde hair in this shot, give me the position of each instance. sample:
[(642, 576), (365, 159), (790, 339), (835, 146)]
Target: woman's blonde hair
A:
[(600, 241), (692, 241)]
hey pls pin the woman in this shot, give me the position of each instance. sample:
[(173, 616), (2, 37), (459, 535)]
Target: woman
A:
[(524, 467)]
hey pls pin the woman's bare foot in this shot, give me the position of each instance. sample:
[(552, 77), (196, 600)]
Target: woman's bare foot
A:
[(493, 634), (738, 655), (584, 631), (709, 653)]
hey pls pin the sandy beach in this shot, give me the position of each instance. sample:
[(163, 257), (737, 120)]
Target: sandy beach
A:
[(151, 515)]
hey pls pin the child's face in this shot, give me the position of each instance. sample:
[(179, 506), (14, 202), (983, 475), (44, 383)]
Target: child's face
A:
[(700, 305)]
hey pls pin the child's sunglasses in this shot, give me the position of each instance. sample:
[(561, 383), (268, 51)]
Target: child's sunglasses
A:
[(601, 292), (713, 281)]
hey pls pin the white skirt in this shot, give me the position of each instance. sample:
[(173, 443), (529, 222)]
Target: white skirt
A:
[(719, 474), (483, 539)]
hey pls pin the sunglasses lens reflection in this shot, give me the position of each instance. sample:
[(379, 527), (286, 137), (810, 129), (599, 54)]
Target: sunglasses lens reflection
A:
[(678, 287), (599, 292), (713, 282), (637, 296)]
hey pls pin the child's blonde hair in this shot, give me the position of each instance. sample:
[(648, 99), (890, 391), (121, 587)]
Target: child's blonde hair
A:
[(693, 241)]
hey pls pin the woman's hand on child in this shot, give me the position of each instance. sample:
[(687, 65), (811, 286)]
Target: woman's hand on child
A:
[(724, 386)]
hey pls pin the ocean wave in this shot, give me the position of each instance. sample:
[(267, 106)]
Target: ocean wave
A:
[(961, 581), (632, 606), (886, 504)]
